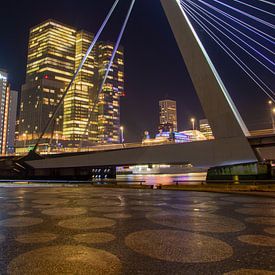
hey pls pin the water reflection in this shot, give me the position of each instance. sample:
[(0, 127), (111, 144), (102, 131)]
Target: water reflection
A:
[(165, 179)]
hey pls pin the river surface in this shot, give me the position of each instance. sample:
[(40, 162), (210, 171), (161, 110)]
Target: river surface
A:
[(165, 179), (154, 179)]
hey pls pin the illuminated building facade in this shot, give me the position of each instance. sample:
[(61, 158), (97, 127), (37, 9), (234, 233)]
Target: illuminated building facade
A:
[(168, 115), (55, 52), (87, 115), (10, 124), (3, 106), (109, 100), (205, 129), (8, 112), (79, 101), (166, 138), (173, 136), (50, 66), (194, 135)]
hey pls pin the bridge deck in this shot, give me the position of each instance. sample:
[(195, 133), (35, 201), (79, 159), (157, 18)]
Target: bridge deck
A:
[(200, 154)]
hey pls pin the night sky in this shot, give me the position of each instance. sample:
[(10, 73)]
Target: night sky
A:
[(154, 68)]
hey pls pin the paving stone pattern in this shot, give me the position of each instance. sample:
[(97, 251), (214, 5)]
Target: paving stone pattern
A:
[(63, 230)]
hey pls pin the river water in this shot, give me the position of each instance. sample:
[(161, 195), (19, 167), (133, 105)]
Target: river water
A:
[(153, 179), (165, 179)]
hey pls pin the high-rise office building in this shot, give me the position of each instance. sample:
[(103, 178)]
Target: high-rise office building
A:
[(87, 115), (79, 101), (168, 115), (205, 129), (50, 67), (10, 122), (13, 109), (3, 103), (55, 52), (8, 112), (109, 99)]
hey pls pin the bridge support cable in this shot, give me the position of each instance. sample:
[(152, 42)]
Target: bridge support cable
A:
[(266, 2), (245, 25), (234, 57), (259, 79), (238, 44), (231, 54), (58, 106), (205, 11), (246, 14), (253, 7), (109, 67)]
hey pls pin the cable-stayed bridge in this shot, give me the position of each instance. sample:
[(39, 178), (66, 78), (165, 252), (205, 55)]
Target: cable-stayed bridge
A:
[(226, 25)]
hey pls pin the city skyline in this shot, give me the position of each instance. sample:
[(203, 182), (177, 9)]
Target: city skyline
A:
[(116, 169), (55, 51), (144, 62)]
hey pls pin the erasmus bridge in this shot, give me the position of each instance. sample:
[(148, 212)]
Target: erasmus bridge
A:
[(227, 23)]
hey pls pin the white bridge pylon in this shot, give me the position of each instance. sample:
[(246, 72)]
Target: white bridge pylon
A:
[(215, 100)]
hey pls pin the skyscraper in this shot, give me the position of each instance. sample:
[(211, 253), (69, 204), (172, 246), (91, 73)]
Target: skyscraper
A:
[(168, 115), (3, 106), (10, 124), (79, 101), (13, 104), (109, 100), (8, 112), (50, 66)]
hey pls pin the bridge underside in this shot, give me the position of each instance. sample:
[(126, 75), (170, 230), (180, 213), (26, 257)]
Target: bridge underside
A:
[(199, 154)]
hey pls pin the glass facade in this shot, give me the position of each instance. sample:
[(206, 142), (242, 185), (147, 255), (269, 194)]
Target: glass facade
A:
[(50, 66), (87, 115), (109, 100), (79, 100), (51, 52)]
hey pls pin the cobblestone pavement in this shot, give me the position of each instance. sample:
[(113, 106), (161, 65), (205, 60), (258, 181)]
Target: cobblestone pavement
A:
[(125, 231)]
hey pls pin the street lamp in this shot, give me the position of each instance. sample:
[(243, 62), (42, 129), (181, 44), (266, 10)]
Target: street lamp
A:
[(193, 123), (122, 134)]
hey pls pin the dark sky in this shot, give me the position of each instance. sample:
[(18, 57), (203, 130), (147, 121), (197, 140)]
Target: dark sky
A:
[(154, 67)]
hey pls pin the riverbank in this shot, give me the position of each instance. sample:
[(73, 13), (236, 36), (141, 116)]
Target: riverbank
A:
[(263, 191), (255, 189), (225, 188)]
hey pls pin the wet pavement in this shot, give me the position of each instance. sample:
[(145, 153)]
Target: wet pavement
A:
[(125, 231)]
